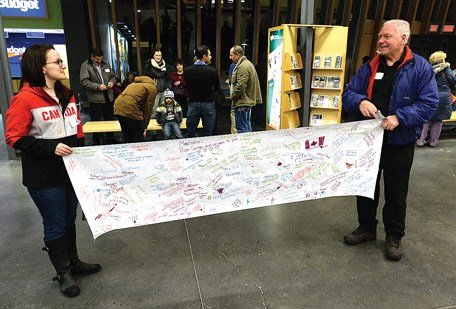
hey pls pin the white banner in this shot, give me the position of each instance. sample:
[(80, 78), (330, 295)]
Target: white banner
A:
[(127, 185)]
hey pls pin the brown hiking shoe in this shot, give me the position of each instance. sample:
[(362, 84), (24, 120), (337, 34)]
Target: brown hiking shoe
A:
[(393, 250), (358, 236)]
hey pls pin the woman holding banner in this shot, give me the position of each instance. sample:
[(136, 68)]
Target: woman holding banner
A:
[(44, 124)]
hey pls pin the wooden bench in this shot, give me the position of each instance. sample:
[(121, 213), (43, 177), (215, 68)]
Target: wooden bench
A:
[(114, 126), (452, 119)]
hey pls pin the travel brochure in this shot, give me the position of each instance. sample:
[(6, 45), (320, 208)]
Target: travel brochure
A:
[(323, 81), (328, 62), (324, 101)]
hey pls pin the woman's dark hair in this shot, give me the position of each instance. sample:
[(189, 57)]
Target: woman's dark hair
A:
[(156, 49), (179, 61), (32, 62)]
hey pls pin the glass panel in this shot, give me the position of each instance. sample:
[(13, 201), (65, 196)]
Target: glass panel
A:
[(389, 10), (436, 10), (420, 10), (372, 11), (405, 8), (451, 17)]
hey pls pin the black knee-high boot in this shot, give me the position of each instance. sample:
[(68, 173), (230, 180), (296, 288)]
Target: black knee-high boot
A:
[(58, 254), (77, 266)]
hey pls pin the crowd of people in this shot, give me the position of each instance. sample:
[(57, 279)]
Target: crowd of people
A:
[(195, 91), (43, 122)]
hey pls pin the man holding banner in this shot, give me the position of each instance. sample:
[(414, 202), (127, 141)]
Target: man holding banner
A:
[(400, 85)]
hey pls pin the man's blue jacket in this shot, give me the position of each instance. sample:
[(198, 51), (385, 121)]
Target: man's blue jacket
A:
[(414, 97)]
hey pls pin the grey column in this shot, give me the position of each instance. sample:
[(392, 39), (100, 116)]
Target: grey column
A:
[(5, 84)]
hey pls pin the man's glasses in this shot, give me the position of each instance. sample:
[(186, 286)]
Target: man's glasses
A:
[(59, 62)]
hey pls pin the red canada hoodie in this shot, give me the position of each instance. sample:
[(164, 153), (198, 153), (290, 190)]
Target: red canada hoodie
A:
[(35, 125)]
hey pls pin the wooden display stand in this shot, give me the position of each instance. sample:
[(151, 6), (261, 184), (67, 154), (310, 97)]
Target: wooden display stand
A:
[(328, 70), (284, 79), (323, 99)]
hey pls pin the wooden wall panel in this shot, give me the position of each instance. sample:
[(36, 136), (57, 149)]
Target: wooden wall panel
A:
[(378, 25)]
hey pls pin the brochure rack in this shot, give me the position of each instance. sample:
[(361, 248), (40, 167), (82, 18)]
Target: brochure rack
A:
[(328, 69), (321, 103)]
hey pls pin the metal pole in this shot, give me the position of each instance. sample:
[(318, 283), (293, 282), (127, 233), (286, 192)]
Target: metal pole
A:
[(307, 17), (6, 84)]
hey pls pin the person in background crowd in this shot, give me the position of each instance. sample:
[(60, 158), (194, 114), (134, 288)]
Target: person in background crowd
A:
[(445, 82), (116, 88), (203, 81), (169, 115), (401, 86), (227, 34), (97, 78), (149, 30), (180, 86), (43, 122), (130, 79), (453, 91), (187, 28), (228, 81), (133, 108), (245, 89), (157, 69), (166, 23)]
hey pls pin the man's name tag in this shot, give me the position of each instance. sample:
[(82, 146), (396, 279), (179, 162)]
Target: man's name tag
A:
[(379, 75), (107, 70)]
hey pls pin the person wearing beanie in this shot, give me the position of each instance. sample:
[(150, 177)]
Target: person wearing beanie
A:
[(169, 115), (446, 81)]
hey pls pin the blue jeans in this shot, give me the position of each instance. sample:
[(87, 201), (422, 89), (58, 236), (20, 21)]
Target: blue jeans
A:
[(57, 206), (171, 127), (197, 111), (242, 118)]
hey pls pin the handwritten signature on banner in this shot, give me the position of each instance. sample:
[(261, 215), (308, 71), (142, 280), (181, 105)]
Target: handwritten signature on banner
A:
[(127, 185)]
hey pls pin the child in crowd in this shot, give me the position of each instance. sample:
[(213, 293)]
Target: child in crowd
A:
[(169, 115)]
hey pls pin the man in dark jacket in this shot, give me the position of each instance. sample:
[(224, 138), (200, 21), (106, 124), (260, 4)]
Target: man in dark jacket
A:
[(202, 81), (401, 86), (98, 79)]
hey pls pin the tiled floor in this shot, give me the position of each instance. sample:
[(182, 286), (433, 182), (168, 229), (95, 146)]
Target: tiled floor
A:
[(285, 256)]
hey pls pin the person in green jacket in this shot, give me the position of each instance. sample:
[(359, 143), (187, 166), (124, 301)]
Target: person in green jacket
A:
[(245, 89), (133, 107)]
